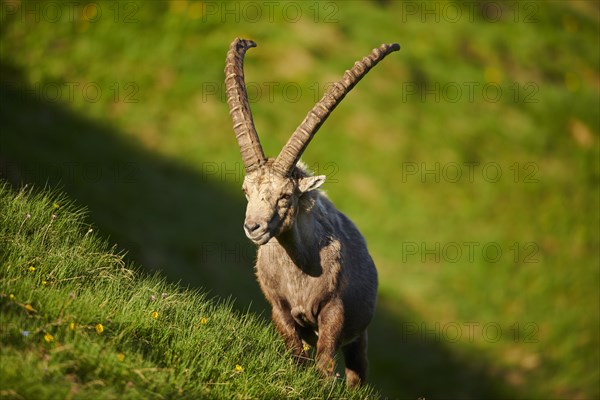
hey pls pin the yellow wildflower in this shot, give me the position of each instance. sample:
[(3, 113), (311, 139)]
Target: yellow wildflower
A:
[(154, 314), (11, 296), (48, 338), (44, 283), (238, 368), (203, 321), (31, 268), (28, 307), (120, 356), (99, 329), (72, 325), (305, 347)]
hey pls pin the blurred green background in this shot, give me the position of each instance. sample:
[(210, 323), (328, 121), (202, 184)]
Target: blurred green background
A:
[(469, 160)]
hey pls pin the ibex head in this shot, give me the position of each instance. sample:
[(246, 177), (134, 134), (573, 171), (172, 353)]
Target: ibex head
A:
[(274, 187)]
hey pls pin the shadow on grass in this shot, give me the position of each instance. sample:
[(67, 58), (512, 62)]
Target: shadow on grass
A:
[(170, 218), (165, 216), (411, 361)]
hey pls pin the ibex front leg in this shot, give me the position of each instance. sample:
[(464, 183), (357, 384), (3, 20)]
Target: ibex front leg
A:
[(331, 321), (286, 326)]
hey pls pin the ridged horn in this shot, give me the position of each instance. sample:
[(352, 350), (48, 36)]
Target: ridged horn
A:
[(291, 152), (239, 109)]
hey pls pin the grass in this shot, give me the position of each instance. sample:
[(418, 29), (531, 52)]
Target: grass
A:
[(155, 162), (78, 322)]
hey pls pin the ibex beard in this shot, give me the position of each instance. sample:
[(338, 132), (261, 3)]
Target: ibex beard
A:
[(313, 265)]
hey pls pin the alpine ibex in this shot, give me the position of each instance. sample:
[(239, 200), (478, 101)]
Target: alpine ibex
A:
[(313, 265)]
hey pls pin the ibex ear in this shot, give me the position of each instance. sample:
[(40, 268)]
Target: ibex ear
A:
[(311, 183)]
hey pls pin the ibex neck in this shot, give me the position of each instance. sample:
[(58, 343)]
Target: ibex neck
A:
[(302, 240)]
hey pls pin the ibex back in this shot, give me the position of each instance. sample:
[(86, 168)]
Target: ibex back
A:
[(313, 264)]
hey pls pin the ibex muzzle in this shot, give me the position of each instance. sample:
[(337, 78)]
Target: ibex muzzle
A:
[(313, 264)]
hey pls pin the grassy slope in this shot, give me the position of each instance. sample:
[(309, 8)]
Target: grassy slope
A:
[(73, 282), (145, 169)]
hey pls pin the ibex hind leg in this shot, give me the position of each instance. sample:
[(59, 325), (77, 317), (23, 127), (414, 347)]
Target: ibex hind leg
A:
[(331, 321), (285, 325), (355, 357)]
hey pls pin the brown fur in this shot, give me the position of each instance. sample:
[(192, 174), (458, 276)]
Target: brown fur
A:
[(313, 267)]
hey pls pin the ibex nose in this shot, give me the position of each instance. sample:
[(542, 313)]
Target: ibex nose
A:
[(251, 227)]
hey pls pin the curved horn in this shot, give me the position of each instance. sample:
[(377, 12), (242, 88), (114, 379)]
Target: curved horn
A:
[(291, 152), (239, 109)]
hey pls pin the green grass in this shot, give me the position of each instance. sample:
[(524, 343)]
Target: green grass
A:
[(60, 282), (161, 176)]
